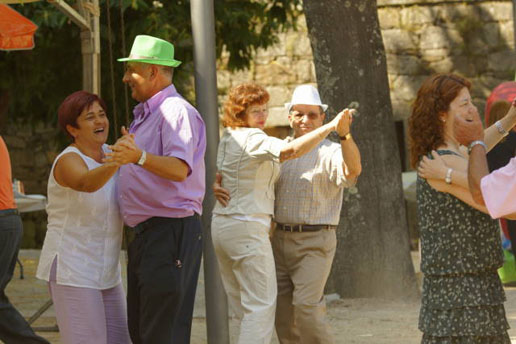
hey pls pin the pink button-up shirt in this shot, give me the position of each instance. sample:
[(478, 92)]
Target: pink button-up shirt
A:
[(499, 190), (164, 125)]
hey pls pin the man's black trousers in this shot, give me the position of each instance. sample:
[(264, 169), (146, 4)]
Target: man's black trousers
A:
[(162, 273)]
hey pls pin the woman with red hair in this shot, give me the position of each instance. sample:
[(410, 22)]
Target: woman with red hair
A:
[(80, 255), (248, 161), (462, 299)]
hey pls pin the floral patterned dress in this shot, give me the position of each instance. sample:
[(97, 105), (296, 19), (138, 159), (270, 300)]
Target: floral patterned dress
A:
[(460, 253)]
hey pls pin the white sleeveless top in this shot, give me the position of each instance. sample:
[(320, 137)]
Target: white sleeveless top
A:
[(84, 233)]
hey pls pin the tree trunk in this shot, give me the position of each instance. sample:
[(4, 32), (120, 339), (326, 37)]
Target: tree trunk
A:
[(373, 254)]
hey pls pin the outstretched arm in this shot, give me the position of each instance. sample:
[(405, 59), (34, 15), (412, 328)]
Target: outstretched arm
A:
[(304, 144), (71, 171), (492, 135), (352, 164)]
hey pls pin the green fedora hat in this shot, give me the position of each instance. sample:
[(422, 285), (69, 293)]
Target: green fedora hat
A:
[(148, 49)]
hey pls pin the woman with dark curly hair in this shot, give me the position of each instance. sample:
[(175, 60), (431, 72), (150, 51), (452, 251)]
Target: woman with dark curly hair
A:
[(460, 245), (249, 160)]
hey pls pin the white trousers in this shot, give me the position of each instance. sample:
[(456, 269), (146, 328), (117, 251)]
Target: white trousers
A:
[(246, 264)]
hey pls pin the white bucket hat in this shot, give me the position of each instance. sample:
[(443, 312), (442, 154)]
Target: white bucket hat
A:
[(305, 95)]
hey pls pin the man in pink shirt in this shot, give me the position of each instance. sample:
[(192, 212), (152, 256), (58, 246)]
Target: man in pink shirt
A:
[(160, 193), (496, 190)]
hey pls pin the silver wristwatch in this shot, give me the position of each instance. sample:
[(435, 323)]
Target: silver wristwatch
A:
[(143, 157)]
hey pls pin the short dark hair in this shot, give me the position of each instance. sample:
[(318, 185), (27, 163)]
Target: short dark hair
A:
[(73, 106)]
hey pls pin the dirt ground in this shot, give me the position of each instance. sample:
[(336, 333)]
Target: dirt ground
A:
[(354, 321)]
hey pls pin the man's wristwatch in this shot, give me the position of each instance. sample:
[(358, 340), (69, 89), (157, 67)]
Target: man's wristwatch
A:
[(345, 137), (474, 143), (143, 157)]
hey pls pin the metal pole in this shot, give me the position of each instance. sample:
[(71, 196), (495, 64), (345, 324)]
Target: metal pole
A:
[(203, 30), (90, 41)]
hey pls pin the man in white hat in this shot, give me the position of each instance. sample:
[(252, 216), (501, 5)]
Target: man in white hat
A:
[(307, 208)]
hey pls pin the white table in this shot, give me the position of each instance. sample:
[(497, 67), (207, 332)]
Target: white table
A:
[(28, 203), (25, 204)]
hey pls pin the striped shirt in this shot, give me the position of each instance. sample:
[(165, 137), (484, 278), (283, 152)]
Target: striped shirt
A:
[(310, 188)]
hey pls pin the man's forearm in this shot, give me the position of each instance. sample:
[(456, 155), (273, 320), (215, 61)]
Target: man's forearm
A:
[(477, 169), (352, 159), (166, 167)]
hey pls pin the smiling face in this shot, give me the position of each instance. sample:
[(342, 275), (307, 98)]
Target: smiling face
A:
[(138, 76), (461, 106), (92, 126), (305, 118), (256, 116)]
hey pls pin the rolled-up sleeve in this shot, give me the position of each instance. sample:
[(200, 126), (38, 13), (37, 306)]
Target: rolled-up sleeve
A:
[(264, 147), (499, 190)]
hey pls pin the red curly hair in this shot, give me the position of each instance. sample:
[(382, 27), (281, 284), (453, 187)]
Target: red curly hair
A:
[(240, 98), (426, 130)]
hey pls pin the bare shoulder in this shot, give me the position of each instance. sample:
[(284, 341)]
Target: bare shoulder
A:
[(69, 159), (68, 164)]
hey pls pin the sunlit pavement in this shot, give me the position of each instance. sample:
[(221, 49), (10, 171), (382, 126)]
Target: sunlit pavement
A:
[(360, 321)]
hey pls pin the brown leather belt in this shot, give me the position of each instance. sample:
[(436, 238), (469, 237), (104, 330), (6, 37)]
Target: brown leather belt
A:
[(304, 228)]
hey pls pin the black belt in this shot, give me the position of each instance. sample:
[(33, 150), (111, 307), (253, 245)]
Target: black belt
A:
[(7, 212), (304, 228), (156, 221)]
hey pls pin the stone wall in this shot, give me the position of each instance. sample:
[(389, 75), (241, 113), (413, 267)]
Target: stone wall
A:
[(474, 39), (32, 150), (279, 68)]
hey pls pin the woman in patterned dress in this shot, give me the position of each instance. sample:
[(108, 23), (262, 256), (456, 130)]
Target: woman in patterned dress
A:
[(463, 297)]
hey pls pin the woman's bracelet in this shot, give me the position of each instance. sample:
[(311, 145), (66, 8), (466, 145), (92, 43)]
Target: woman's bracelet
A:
[(501, 129), (474, 143)]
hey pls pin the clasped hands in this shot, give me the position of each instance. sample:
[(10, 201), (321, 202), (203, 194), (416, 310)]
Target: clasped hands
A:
[(343, 121), (124, 151)]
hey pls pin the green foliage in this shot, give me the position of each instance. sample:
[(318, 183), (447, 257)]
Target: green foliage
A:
[(38, 80)]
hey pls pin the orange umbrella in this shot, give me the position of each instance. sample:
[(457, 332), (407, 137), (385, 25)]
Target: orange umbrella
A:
[(16, 31)]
